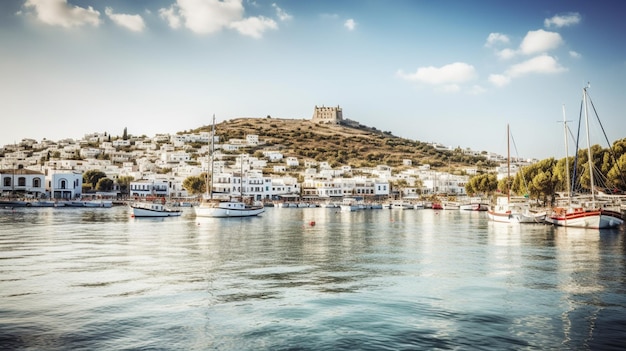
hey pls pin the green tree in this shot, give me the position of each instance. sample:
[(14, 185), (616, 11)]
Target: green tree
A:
[(482, 184), (195, 184), (104, 184), (92, 177), (125, 134), (616, 177)]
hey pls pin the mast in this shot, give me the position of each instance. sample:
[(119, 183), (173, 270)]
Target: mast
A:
[(590, 160), (210, 183), (569, 197), (508, 164)]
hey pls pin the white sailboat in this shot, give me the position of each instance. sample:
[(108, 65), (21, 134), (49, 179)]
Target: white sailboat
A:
[(584, 212), (231, 207), (513, 210)]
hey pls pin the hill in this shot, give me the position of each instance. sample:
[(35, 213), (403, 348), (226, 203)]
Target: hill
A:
[(347, 144)]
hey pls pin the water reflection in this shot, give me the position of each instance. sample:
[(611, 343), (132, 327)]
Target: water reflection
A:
[(313, 279)]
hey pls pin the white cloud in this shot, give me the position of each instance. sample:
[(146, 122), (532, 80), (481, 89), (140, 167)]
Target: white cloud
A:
[(282, 15), (506, 54), (539, 64), (562, 20), (540, 41), (171, 16), (453, 73), (254, 26), (574, 54), (211, 16), (496, 38), (60, 13), (499, 80), (350, 24), (542, 64), (133, 22)]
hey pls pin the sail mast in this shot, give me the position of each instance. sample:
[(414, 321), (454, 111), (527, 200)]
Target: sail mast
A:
[(508, 164), (590, 160), (210, 186), (569, 198)]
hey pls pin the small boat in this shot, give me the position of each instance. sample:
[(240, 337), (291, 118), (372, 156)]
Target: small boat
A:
[(227, 208), (402, 205), (436, 206), (451, 205), (474, 204), (582, 217), (508, 210), (89, 203), (153, 209), (350, 205)]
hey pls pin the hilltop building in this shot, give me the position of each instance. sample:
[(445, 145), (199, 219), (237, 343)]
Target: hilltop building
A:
[(328, 115)]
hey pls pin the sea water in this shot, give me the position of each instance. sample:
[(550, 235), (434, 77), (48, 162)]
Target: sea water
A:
[(306, 279)]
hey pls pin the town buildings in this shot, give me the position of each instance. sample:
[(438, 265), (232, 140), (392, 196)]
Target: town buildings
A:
[(159, 165)]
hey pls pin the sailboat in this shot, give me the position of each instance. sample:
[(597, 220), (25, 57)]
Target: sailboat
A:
[(232, 207), (584, 212), (513, 210)]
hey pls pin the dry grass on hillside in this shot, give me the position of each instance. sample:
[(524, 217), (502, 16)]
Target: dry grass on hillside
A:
[(357, 146)]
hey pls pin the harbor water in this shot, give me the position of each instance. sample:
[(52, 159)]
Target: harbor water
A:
[(306, 279)]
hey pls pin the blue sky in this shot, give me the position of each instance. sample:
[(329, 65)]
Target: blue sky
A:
[(454, 72)]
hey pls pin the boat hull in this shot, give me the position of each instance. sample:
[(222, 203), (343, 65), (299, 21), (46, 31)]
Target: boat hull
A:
[(513, 217), (143, 212), (227, 209), (595, 219)]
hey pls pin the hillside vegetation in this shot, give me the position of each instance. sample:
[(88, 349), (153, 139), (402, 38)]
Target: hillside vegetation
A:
[(347, 144)]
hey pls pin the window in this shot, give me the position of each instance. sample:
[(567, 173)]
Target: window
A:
[(21, 181), (7, 181), (63, 184), (36, 183)]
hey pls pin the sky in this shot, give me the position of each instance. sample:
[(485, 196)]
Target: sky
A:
[(454, 72)]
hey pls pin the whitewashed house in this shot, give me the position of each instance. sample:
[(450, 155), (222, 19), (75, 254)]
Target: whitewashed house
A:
[(65, 184), (292, 162), (23, 181)]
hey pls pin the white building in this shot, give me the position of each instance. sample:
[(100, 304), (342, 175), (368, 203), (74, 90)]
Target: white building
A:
[(23, 181), (147, 188), (65, 184)]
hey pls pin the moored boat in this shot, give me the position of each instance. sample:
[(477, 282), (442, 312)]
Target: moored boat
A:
[(227, 208), (153, 209), (510, 210)]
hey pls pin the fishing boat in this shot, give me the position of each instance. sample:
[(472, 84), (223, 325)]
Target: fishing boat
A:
[(153, 209), (585, 211), (230, 207), (513, 210)]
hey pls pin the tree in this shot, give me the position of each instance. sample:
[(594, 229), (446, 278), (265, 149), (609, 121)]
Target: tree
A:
[(125, 134), (104, 184), (195, 184), (482, 184), (92, 177)]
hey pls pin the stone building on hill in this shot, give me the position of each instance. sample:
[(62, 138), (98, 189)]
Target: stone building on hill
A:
[(328, 115)]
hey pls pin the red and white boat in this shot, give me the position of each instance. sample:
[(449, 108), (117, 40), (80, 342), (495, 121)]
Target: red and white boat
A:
[(597, 218)]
